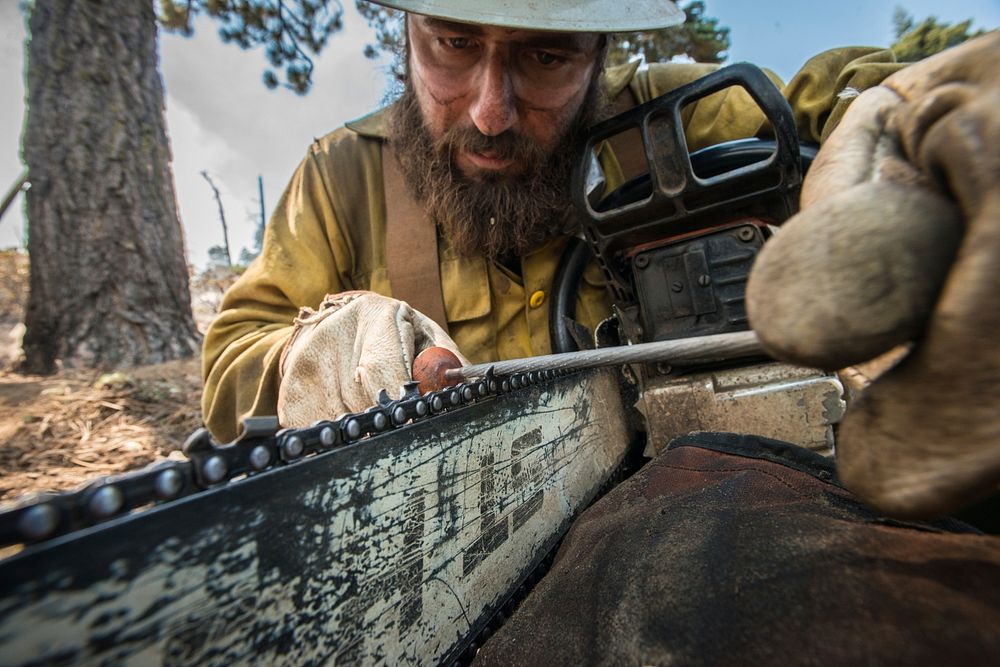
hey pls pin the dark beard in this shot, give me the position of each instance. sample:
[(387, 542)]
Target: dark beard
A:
[(499, 215)]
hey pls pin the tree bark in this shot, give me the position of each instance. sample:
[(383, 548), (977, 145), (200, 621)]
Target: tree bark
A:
[(109, 279)]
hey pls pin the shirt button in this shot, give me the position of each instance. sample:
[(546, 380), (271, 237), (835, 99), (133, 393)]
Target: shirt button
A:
[(537, 299)]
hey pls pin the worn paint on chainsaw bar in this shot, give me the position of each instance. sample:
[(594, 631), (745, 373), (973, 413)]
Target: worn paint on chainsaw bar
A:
[(393, 550)]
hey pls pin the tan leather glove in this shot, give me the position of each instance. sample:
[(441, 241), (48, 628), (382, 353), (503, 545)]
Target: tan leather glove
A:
[(898, 241), (340, 356)]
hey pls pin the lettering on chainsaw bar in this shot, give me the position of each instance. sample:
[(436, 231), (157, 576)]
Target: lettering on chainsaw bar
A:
[(527, 509), (518, 450), (412, 565), (352, 630), (494, 531), (526, 477)]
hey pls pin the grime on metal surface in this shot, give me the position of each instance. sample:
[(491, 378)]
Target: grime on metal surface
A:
[(346, 549)]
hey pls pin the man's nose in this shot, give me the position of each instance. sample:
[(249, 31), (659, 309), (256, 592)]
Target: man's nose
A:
[(494, 110)]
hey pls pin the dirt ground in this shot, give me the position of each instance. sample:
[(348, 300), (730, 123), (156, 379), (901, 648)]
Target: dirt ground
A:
[(60, 431)]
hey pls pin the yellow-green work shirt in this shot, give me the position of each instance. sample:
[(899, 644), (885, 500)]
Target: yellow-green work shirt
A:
[(327, 235)]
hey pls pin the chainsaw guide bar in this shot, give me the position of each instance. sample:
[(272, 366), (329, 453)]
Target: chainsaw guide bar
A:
[(372, 538)]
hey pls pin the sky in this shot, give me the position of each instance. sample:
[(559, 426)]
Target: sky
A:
[(222, 119)]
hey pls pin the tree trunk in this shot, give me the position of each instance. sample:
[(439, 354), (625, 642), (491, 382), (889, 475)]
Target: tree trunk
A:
[(109, 280)]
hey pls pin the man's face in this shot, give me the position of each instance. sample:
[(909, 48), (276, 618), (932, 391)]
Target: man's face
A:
[(486, 129), (502, 83)]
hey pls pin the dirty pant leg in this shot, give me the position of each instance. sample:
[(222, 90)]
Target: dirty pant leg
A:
[(737, 549)]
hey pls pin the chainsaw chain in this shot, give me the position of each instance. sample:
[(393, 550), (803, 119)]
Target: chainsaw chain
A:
[(262, 446)]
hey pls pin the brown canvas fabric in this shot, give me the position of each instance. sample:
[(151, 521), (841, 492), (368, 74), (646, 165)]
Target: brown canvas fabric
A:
[(734, 549)]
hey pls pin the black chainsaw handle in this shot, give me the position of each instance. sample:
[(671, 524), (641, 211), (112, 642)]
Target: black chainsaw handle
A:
[(577, 254)]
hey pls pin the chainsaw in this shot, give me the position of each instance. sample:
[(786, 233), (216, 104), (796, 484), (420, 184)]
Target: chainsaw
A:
[(408, 532)]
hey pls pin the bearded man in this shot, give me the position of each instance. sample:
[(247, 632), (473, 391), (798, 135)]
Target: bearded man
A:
[(725, 548), (479, 146)]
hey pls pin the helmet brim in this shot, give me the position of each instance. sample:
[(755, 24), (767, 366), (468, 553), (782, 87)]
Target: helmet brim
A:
[(551, 15)]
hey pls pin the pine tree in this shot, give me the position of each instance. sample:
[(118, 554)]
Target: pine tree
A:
[(700, 38), (108, 281), (388, 26), (915, 41), (291, 31)]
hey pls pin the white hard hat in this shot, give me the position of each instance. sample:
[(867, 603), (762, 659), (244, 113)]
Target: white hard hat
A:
[(556, 15)]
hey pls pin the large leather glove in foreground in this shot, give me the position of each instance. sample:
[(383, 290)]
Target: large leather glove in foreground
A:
[(342, 355), (898, 241)]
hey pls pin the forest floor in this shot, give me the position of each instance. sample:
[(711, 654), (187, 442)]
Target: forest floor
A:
[(60, 431)]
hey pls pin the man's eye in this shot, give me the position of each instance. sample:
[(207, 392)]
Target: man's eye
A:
[(457, 43), (547, 59)]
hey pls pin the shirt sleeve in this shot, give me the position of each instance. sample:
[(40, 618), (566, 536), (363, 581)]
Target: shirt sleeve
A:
[(819, 94), (822, 90), (305, 255)]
